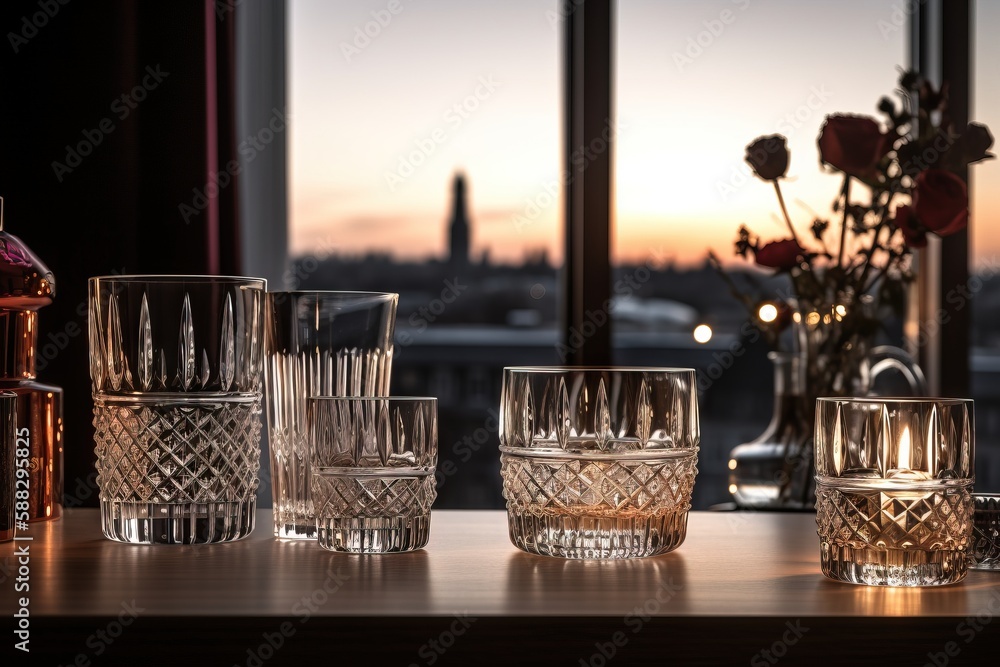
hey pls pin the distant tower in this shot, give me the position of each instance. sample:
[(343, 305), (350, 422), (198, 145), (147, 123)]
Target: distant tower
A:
[(458, 226)]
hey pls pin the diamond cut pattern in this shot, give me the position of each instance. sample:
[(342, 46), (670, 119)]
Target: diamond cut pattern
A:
[(542, 486), (894, 519), (177, 453), (986, 532), (372, 497)]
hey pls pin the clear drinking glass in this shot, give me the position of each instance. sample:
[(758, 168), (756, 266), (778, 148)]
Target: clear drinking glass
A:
[(598, 463), (317, 344), (176, 366), (986, 532), (373, 463), (893, 482)]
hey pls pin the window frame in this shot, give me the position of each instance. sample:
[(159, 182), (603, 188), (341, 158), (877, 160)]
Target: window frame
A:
[(940, 47), (588, 52)]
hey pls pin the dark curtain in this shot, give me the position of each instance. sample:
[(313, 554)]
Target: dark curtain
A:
[(116, 155)]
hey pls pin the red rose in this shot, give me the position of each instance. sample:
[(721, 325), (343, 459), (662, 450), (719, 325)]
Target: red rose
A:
[(853, 144), (782, 255), (977, 140), (941, 201), (913, 232), (768, 156)]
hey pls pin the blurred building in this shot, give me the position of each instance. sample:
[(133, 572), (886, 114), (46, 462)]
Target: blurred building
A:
[(458, 225)]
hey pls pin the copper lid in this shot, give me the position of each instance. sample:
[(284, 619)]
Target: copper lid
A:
[(25, 282)]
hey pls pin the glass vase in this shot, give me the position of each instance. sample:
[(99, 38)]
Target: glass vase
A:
[(834, 357), (773, 470)]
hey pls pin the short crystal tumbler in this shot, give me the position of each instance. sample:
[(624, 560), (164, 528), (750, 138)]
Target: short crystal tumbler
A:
[(986, 532), (373, 462), (317, 344), (176, 364), (893, 482), (598, 463)]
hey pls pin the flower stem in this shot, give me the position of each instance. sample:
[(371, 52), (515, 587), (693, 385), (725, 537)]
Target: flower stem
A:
[(784, 211), (843, 224), (883, 218), (742, 297), (874, 280), (871, 254)]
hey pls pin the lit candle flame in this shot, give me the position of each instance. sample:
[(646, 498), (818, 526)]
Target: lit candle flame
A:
[(904, 449)]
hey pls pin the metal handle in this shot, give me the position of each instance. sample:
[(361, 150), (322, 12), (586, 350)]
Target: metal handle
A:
[(889, 357)]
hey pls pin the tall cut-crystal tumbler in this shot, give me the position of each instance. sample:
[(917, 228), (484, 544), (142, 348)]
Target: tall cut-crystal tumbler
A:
[(176, 365), (317, 344), (598, 462), (893, 483)]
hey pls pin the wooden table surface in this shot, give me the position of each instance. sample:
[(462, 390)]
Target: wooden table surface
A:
[(741, 575)]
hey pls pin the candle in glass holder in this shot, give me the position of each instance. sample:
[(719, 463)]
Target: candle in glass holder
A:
[(893, 501)]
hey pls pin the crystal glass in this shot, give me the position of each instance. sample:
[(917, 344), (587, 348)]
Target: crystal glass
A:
[(373, 463), (176, 366), (985, 532), (893, 482), (598, 462), (317, 344)]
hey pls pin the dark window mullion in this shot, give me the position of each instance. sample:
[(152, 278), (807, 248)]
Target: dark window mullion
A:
[(941, 49), (588, 48), (956, 69)]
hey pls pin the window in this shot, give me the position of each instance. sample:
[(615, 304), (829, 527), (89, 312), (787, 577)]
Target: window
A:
[(435, 172), (984, 279), (424, 160), (695, 83)]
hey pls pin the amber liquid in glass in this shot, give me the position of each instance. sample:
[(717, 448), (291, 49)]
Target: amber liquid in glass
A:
[(40, 410), (890, 537), (581, 508)]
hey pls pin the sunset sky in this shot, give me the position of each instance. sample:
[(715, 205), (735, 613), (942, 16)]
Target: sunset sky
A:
[(379, 127)]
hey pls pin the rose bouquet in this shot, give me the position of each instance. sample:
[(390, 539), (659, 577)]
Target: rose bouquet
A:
[(848, 271)]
